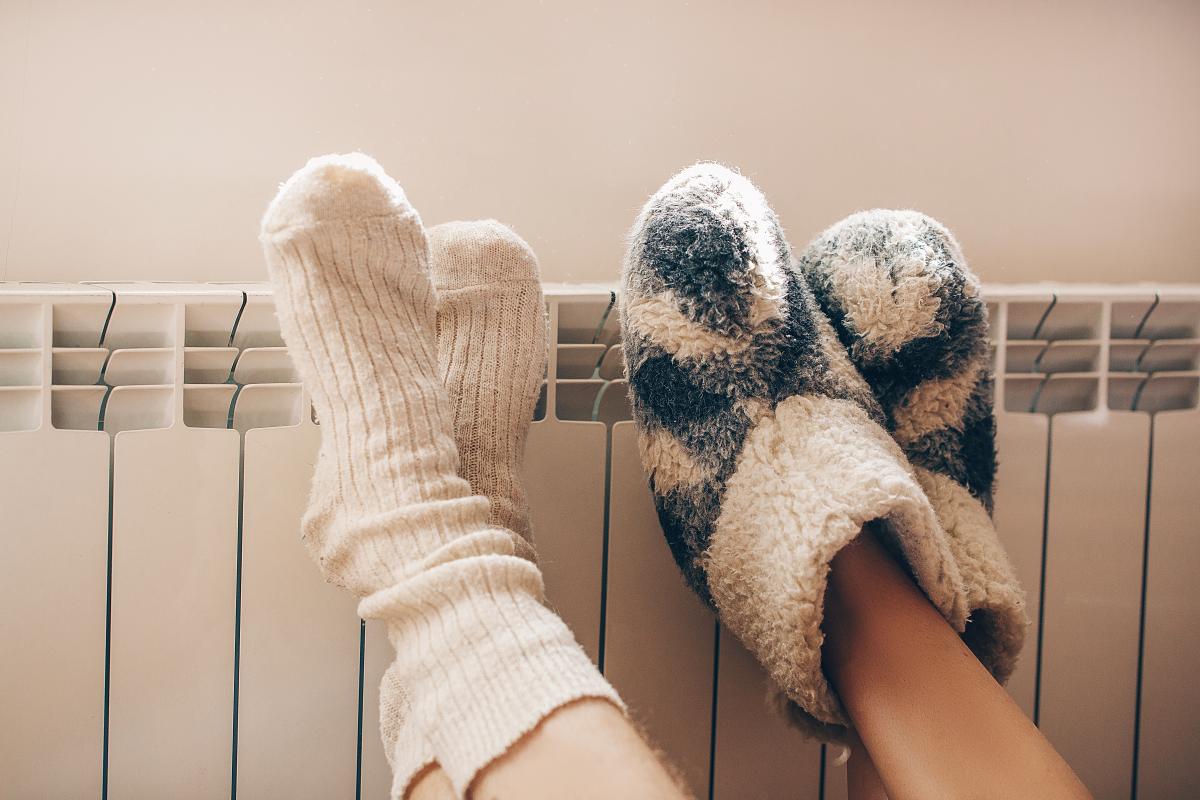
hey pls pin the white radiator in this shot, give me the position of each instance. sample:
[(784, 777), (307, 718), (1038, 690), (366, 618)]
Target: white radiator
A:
[(164, 634)]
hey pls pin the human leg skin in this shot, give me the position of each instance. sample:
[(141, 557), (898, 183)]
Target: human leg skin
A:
[(862, 779), (432, 784), (587, 749), (934, 720)]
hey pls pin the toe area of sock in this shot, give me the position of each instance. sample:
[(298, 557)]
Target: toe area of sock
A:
[(479, 252), (891, 278), (710, 236), (334, 187)]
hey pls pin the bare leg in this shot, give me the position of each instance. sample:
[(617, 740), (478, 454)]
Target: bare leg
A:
[(862, 779), (585, 750), (934, 720), (432, 784)]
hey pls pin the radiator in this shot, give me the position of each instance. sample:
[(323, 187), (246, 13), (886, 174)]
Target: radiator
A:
[(165, 635)]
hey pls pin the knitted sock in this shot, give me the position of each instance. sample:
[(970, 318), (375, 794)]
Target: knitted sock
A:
[(491, 337), (907, 308), (480, 660), (764, 447)]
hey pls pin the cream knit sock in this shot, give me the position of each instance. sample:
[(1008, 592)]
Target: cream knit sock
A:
[(491, 321), (479, 658)]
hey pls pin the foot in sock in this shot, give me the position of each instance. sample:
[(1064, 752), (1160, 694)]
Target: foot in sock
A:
[(765, 448), (491, 341), (899, 293), (389, 518), (492, 346)]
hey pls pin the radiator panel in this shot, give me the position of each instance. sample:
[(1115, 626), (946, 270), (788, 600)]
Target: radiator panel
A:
[(1095, 526), (564, 478), (1022, 441), (299, 654), (174, 559), (660, 638), (182, 385), (757, 755), (1170, 703), (54, 501)]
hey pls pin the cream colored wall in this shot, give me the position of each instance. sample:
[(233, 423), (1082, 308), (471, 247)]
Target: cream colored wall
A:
[(1059, 140)]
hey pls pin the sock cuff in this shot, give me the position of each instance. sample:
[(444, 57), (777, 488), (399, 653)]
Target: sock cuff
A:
[(840, 473), (483, 659), (995, 630)]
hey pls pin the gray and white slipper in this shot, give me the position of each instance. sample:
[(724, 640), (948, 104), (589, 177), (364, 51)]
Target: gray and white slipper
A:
[(899, 293), (765, 449)]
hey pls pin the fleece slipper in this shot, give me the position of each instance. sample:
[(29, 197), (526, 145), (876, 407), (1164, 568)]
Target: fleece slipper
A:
[(899, 293), (765, 449)]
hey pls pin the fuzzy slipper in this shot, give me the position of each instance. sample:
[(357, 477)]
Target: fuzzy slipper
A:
[(765, 449), (898, 291)]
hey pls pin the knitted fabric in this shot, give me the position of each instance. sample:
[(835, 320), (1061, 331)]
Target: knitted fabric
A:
[(479, 658), (492, 346)]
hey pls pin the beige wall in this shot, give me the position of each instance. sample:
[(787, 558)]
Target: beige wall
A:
[(1059, 140)]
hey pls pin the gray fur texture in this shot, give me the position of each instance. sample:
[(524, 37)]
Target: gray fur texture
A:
[(765, 449), (695, 240), (897, 288), (910, 250)]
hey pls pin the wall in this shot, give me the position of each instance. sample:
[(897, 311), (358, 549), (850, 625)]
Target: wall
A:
[(1059, 140)]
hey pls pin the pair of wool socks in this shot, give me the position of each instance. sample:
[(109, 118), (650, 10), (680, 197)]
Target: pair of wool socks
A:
[(425, 394), (783, 404)]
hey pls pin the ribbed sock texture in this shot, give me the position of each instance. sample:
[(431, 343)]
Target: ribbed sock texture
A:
[(480, 660), (491, 337)]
